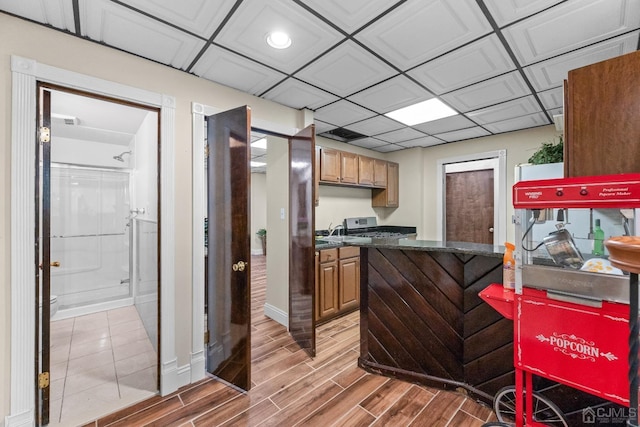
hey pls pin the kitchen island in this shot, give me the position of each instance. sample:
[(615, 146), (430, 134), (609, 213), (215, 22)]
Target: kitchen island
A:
[(422, 320)]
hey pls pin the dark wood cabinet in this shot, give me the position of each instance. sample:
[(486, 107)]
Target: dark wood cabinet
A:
[(602, 129), (349, 278)]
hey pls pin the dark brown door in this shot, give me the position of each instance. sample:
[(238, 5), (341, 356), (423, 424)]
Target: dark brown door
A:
[(228, 278), (469, 206), (302, 325), (43, 254)]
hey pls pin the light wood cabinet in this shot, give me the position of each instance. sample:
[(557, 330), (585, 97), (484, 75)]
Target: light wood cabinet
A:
[(348, 168), (388, 197), (602, 129), (329, 165), (365, 170), (379, 173), (337, 282)]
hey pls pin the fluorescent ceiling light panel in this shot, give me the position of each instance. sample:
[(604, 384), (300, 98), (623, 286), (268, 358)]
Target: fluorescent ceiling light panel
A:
[(257, 164), (260, 143), (425, 111)]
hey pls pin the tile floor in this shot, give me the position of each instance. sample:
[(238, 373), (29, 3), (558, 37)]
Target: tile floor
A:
[(99, 363)]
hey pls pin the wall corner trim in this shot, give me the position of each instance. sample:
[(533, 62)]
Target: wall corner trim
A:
[(276, 314)]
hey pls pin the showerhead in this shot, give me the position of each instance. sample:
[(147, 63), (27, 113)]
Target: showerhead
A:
[(119, 156)]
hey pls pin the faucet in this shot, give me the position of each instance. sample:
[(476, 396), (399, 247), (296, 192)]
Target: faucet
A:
[(331, 230)]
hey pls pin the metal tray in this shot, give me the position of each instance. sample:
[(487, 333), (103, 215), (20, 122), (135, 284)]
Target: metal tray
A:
[(581, 284)]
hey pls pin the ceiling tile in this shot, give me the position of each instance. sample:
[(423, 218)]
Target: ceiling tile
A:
[(426, 141), (478, 61), (388, 148), (532, 120), (507, 110), (345, 70), (552, 72), (570, 26), (348, 15), (552, 98), (420, 30), (460, 135), (58, 13), (199, 17), (123, 28), (375, 125), (554, 112), (296, 94), (368, 142), (248, 27), (493, 91), (342, 113), (506, 11), (229, 69), (445, 125), (399, 135), (322, 127), (390, 95)]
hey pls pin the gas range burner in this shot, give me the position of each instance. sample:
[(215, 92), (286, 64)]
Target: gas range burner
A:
[(380, 235)]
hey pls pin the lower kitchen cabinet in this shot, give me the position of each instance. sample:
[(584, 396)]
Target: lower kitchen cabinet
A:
[(337, 282)]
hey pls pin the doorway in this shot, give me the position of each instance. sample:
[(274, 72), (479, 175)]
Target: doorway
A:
[(467, 210), (98, 245)]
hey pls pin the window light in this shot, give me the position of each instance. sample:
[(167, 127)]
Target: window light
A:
[(260, 143), (257, 164), (425, 111)]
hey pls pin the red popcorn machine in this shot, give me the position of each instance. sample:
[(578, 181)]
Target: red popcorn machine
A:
[(571, 304)]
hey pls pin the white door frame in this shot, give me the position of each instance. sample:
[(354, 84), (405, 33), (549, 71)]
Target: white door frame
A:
[(25, 75), (496, 160)]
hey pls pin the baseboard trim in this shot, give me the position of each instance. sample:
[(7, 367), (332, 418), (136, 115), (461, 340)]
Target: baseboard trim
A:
[(197, 369), (25, 419), (183, 376), (256, 252), (276, 314)]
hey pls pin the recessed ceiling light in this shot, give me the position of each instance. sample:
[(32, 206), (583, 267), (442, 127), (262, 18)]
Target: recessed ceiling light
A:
[(278, 40), (422, 112), (257, 164), (260, 143)]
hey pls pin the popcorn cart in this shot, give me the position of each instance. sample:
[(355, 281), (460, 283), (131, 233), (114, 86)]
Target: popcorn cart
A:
[(570, 305)]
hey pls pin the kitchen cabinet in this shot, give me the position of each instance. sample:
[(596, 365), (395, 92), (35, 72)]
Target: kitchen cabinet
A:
[(365, 170), (348, 278), (327, 284), (388, 197), (602, 129), (348, 168), (337, 282), (379, 173)]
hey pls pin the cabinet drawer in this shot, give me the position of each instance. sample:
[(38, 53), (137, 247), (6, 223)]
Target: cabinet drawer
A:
[(349, 251), (327, 255)]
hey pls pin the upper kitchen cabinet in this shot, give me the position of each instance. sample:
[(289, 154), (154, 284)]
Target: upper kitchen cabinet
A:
[(379, 173), (338, 166), (387, 197), (365, 170), (602, 106)]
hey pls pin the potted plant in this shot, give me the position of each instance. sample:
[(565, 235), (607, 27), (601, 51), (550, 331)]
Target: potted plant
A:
[(550, 152), (262, 234)]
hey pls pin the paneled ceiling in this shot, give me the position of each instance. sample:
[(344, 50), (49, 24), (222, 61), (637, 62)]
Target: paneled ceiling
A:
[(499, 63)]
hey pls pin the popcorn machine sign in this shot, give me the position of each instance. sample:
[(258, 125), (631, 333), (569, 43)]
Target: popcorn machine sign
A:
[(575, 347)]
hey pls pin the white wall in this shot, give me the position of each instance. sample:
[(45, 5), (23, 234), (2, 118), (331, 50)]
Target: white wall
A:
[(145, 173), (258, 209)]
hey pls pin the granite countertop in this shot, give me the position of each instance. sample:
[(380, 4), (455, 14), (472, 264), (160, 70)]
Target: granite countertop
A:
[(418, 245)]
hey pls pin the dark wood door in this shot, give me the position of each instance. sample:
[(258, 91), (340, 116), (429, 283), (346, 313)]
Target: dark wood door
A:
[(302, 325), (228, 278), (43, 255), (469, 206)]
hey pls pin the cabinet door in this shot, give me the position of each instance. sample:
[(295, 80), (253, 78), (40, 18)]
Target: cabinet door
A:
[(349, 168), (379, 173), (329, 165), (327, 297), (316, 177), (365, 170), (349, 283)]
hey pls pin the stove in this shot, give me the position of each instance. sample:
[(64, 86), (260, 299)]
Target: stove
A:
[(368, 227)]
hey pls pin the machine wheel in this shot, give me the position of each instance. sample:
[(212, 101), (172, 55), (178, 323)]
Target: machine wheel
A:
[(544, 410)]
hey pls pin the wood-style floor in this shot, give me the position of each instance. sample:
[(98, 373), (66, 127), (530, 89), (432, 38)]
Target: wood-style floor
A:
[(289, 388)]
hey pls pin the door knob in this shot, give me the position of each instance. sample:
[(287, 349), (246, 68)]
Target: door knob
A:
[(240, 266), (490, 229), (52, 264)]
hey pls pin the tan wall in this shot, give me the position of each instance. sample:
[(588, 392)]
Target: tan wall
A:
[(418, 174), (71, 53), (258, 209)]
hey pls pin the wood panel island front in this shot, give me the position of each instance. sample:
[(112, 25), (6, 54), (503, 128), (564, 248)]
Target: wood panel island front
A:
[(422, 319)]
